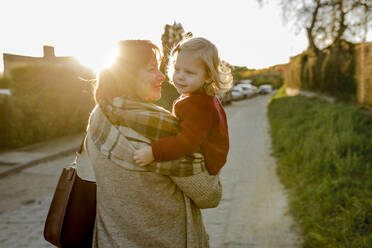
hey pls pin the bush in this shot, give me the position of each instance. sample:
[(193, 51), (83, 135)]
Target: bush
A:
[(311, 71), (5, 83), (324, 157), (338, 70), (275, 80), (46, 102), (237, 71), (168, 95)]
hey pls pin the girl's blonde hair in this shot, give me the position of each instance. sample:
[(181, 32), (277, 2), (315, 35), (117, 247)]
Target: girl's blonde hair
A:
[(218, 71)]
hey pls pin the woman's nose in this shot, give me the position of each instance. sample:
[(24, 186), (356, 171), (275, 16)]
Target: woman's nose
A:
[(160, 76)]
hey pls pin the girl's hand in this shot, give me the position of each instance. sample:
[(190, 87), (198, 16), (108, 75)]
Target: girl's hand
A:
[(143, 156)]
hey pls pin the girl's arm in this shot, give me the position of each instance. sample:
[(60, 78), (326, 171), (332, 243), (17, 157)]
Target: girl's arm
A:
[(188, 141), (196, 116)]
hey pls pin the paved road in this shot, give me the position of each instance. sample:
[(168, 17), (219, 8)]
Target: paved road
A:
[(252, 212), (24, 202)]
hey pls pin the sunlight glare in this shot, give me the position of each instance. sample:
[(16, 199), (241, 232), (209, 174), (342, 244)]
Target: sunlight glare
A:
[(102, 60)]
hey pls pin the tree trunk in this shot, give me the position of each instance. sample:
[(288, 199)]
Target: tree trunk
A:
[(309, 30)]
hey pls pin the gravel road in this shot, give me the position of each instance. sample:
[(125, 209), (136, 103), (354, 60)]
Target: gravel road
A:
[(252, 213)]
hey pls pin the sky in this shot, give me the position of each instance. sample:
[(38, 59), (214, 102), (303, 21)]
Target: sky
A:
[(244, 33)]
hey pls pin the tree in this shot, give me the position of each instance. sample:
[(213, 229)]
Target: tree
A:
[(328, 22), (237, 70), (332, 26), (172, 35)]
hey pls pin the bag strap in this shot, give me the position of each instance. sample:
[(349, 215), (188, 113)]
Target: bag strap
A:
[(79, 151), (81, 148)]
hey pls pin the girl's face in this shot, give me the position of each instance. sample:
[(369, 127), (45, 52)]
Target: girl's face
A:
[(189, 73), (148, 87)]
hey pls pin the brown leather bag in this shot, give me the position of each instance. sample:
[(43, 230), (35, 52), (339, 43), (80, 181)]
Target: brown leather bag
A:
[(72, 212)]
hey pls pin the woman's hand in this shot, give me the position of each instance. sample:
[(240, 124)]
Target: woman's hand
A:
[(143, 156)]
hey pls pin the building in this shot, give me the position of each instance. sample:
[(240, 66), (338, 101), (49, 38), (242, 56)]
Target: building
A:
[(11, 60)]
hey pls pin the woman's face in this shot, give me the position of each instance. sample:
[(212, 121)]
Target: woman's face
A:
[(149, 82)]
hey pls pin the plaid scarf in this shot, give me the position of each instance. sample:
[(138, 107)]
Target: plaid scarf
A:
[(120, 127)]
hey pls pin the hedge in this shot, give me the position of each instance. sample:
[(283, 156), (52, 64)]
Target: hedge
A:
[(46, 102)]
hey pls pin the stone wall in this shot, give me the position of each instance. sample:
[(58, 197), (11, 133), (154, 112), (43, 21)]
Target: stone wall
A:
[(363, 73), (292, 74)]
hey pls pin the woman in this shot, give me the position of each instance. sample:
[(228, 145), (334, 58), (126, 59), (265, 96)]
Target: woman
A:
[(153, 206)]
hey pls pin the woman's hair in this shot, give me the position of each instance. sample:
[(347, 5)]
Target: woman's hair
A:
[(120, 79), (218, 71)]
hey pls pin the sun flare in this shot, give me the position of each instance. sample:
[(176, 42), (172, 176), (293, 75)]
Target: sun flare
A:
[(100, 60)]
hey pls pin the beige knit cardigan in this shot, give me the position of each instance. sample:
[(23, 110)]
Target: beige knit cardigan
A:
[(143, 209)]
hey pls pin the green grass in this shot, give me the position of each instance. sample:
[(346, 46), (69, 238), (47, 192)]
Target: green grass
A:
[(324, 155), (279, 94)]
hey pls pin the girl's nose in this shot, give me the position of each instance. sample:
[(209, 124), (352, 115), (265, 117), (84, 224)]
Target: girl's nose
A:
[(180, 76)]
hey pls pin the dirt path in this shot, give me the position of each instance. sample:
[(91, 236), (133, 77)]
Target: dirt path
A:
[(253, 211)]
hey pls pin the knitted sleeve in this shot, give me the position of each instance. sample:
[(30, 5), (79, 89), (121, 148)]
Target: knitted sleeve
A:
[(204, 189)]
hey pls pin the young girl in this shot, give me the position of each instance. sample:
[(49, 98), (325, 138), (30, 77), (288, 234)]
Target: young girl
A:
[(198, 76)]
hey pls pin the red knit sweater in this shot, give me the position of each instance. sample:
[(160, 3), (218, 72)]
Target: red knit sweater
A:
[(204, 126)]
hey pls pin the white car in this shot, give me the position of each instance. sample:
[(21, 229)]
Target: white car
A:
[(248, 85), (247, 89), (237, 94), (265, 89), (5, 92)]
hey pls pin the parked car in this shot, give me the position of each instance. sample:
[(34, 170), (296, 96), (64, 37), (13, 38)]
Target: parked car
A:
[(225, 98), (237, 94), (249, 85), (5, 92), (247, 89), (265, 89)]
